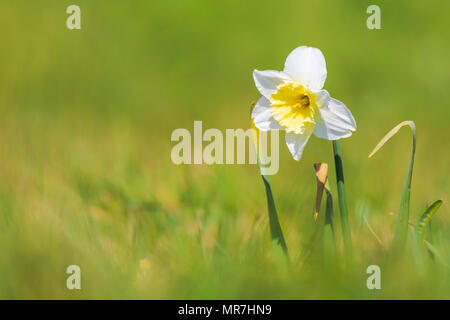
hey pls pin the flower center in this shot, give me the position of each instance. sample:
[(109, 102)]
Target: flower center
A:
[(293, 106)]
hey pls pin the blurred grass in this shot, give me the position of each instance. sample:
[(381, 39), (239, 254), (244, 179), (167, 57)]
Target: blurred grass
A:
[(86, 118)]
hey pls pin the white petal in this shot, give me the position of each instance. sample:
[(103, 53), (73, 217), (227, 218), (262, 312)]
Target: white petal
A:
[(262, 117), (307, 66), (297, 142), (267, 81), (335, 121), (322, 98)]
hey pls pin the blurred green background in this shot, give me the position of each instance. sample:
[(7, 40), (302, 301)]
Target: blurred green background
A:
[(85, 123)]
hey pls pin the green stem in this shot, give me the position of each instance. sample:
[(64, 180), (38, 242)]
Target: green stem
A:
[(342, 198), (275, 227)]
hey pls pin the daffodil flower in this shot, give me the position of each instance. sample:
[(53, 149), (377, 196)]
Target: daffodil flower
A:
[(293, 100)]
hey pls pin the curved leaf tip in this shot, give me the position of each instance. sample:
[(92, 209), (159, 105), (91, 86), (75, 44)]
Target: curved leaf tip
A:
[(426, 217), (391, 133)]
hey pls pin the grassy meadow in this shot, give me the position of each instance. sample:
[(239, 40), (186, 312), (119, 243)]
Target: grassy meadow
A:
[(86, 176)]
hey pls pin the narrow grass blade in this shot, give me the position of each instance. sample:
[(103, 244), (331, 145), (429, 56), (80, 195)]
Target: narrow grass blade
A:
[(329, 245), (401, 228), (373, 233), (322, 180), (342, 200), (321, 242), (329, 211), (328, 236), (275, 228), (426, 217), (325, 232), (322, 185)]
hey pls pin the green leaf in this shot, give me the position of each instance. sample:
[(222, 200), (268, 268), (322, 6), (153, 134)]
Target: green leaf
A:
[(329, 212), (426, 217), (329, 243), (275, 227), (401, 228), (342, 201)]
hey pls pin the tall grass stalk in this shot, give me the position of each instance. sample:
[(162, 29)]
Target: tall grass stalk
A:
[(401, 227)]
